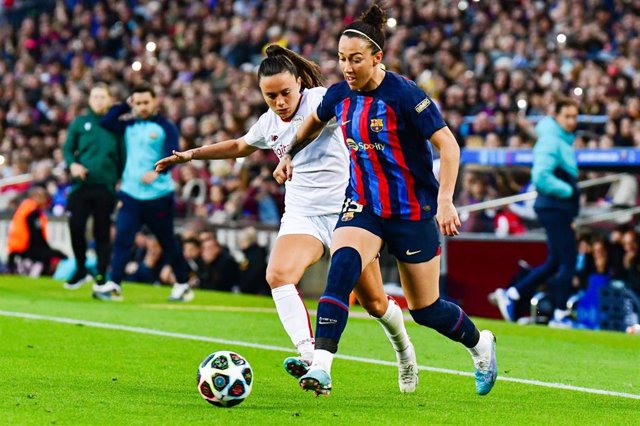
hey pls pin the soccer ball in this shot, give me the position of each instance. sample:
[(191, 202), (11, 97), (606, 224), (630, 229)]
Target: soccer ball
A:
[(224, 379)]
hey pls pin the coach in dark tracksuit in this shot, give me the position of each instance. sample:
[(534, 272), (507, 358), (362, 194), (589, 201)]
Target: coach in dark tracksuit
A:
[(95, 158), (147, 196), (554, 175)]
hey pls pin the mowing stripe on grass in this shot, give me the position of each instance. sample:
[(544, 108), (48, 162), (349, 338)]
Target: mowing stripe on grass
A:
[(153, 332)]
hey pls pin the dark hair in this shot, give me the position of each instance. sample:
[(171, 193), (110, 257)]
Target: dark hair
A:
[(280, 59), (36, 190), (144, 88), (193, 241), (102, 85), (564, 101), (372, 24)]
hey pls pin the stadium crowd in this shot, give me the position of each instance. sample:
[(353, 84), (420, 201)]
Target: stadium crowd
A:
[(491, 68), (488, 66)]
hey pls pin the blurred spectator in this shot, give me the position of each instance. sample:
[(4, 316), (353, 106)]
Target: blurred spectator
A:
[(584, 261), (629, 270), (253, 268), (191, 251), (27, 246), (219, 269), (506, 222), (146, 270), (194, 190), (475, 189), (601, 257)]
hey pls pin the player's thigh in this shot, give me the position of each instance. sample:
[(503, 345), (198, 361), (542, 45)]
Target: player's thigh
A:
[(412, 241), (365, 242), (369, 290), (420, 282), (292, 254)]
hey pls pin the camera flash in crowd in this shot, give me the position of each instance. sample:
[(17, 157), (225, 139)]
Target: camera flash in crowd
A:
[(391, 22), (463, 5), (151, 46), (522, 103), (577, 91), (136, 66), (561, 38)]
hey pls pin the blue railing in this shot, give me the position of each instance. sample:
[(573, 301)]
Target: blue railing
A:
[(582, 118), (614, 157)]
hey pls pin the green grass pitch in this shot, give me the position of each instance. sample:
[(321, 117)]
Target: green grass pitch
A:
[(86, 371)]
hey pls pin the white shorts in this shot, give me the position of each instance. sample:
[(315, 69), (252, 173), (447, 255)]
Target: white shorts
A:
[(320, 227)]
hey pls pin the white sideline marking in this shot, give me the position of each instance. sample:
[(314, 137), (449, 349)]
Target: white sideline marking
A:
[(253, 310), (150, 331)]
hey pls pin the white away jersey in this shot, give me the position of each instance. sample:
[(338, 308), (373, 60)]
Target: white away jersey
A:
[(320, 171)]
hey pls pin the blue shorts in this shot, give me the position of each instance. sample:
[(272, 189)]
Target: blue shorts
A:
[(410, 241)]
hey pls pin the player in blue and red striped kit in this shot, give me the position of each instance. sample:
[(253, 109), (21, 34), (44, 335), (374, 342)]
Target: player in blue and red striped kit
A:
[(393, 198)]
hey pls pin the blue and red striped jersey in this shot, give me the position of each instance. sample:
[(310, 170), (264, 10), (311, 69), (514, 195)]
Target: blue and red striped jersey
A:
[(386, 131)]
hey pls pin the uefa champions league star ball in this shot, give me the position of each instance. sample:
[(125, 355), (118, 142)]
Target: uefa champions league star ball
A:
[(224, 379)]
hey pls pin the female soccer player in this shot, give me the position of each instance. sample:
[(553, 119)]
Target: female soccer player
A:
[(392, 198), (291, 86)]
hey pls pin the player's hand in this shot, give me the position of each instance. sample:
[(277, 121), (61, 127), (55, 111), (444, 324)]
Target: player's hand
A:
[(78, 171), (447, 217), (284, 171), (149, 177), (178, 157)]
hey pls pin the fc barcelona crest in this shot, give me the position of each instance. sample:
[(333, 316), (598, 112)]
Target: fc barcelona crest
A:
[(376, 124), (346, 217)]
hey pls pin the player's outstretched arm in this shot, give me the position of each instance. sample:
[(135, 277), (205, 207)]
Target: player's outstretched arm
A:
[(447, 216), (306, 133), (232, 148)]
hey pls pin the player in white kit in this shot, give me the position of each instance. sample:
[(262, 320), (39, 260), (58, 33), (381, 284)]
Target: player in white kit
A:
[(291, 86)]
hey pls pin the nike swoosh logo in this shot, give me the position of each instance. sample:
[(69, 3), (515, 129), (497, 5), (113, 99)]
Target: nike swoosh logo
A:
[(346, 122), (411, 253), (326, 321)]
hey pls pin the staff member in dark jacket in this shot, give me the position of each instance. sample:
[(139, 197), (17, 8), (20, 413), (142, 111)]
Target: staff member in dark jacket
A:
[(95, 158), (554, 175)]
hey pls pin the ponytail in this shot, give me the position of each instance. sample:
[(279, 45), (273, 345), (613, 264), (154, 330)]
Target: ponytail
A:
[(280, 59)]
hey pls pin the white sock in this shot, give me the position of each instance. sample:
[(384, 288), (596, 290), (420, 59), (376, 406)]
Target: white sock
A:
[(513, 293), (322, 359), (295, 319), (392, 323), (482, 347)]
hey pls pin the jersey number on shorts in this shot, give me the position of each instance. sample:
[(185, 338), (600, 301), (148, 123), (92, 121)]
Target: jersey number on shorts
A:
[(349, 209)]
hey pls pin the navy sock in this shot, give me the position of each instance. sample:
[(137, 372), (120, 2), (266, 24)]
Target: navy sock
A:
[(333, 309), (450, 320)]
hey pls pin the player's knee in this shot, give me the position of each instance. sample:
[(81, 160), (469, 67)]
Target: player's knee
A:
[(280, 275), (346, 267), (376, 307)]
